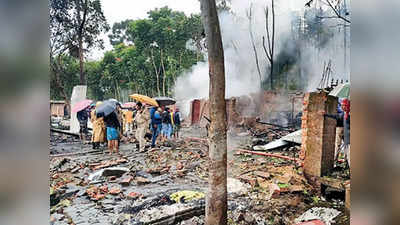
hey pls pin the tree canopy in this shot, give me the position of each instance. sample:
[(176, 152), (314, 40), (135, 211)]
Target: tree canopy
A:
[(75, 26), (147, 57)]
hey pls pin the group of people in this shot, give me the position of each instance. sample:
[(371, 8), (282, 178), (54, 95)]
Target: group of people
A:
[(105, 129), (163, 123)]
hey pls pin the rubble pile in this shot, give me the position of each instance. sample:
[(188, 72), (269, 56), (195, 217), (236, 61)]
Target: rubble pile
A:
[(167, 185)]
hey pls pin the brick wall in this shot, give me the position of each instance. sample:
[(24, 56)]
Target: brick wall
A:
[(318, 138), (243, 108)]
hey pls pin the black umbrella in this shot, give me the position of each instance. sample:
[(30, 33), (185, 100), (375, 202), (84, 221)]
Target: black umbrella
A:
[(164, 101), (106, 108)]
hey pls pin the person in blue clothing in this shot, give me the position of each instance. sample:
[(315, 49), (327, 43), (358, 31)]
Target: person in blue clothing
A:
[(166, 125), (155, 124), (113, 125)]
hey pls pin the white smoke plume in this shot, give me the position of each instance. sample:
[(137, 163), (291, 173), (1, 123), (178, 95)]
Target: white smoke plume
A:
[(241, 73)]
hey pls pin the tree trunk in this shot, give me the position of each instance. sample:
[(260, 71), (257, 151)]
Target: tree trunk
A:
[(271, 74), (164, 75), (81, 73), (155, 70), (272, 44), (216, 201), (56, 71)]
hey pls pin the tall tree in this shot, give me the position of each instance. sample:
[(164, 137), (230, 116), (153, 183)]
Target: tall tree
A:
[(79, 24), (162, 39), (270, 41), (216, 201)]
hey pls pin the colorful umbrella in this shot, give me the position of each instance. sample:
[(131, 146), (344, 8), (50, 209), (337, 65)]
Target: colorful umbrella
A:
[(106, 108), (164, 101), (341, 91), (129, 105), (144, 99), (81, 105)]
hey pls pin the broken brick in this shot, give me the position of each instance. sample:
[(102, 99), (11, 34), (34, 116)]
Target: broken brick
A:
[(312, 222), (251, 180), (262, 174), (263, 183), (134, 195), (274, 190), (126, 181), (179, 166), (141, 180), (114, 191), (104, 189)]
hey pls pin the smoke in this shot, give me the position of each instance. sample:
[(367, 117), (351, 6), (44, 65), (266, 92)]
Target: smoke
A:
[(242, 77)]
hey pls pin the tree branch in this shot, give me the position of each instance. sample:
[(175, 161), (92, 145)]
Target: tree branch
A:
[(267, 28), (273, 30), (265, 50), (336, 12), (82, 25), (249, 16)]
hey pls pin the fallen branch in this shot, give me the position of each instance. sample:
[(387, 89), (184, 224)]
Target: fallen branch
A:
[(64, 132), (179, 216), (269, 155), (76, 153)]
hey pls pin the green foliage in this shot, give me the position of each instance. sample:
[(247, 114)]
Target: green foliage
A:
[(119, 32), (316, 199), (70, 19), (282, 185), (141, 49), (68, 73), (75, 26)]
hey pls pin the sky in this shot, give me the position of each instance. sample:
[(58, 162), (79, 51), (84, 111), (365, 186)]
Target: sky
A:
[(119, 10)]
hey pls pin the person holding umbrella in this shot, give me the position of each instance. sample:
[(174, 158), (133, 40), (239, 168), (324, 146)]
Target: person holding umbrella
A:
[(108, 110), (142, 119), (113, 126), (82, 115)]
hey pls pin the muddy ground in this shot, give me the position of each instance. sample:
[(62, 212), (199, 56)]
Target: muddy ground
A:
[(136, 187)]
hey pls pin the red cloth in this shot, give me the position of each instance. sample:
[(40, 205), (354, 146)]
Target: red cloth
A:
[(346, 108)]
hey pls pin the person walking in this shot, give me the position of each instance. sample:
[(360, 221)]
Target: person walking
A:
[(142, 120), (155, 124), (171, 115), (128, 118), (113, 126), (99, 129), (82, 117), (166, 124), (346, 128), (339, 129), (177, 123)]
